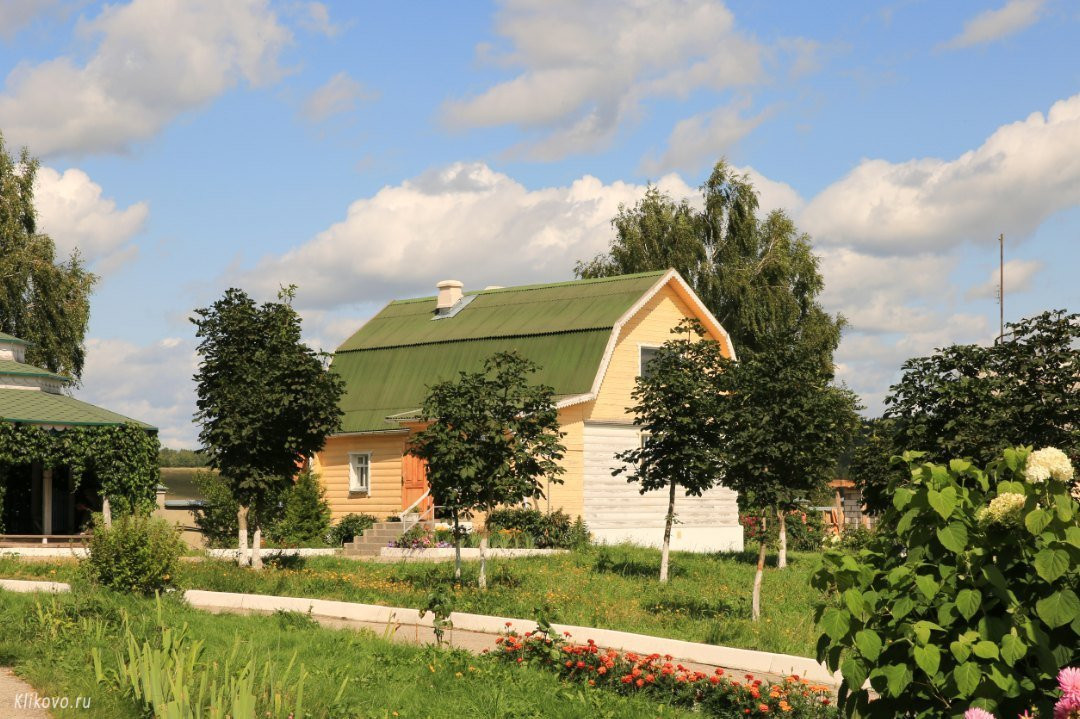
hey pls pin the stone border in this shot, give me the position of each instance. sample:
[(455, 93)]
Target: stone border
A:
[(469, 553), (65, 552), (742, 660), (277, 552), (26, 585)]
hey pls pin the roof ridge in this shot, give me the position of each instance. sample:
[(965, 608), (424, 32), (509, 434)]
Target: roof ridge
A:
[(541, 286), (516, 335)]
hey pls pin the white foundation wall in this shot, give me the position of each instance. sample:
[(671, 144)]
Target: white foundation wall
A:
[(616, 512)]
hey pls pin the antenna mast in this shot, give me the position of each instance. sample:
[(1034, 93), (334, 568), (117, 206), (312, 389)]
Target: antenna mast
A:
[(1001, 287)]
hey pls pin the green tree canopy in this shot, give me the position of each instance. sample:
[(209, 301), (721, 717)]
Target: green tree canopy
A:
[(785, 426), (43, 300), (973, 402), (758, 276), (265, 400), (675, 407), (492, 438)]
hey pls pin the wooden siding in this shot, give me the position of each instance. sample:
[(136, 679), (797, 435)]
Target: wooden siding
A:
[(567, 496), (651, 326), (613, 503), (332, 464)]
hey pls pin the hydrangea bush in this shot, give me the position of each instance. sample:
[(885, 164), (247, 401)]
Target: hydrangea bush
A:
[(969, 601)]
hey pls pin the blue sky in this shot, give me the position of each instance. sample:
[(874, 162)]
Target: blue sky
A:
[(366, 150)]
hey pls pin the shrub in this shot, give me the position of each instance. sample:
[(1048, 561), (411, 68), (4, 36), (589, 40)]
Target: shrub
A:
[(968, 600), (305, 518), (552, 530), (349, 528), (137, 554), (805, 529)]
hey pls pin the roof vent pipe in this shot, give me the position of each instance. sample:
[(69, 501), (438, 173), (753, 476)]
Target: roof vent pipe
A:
[(449, 294)]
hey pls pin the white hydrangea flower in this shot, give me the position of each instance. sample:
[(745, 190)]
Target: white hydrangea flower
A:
[(1005, 509), (1042, 464)]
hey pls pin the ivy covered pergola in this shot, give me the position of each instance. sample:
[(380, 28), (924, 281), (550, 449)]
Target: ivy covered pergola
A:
[(62, 459)]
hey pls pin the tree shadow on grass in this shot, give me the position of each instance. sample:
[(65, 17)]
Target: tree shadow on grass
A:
[(607, 564), (692, 607)]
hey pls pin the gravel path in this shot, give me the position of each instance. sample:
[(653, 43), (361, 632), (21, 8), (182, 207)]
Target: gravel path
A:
[(17, 698)]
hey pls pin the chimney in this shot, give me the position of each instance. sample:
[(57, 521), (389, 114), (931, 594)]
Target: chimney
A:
[(449, 295)]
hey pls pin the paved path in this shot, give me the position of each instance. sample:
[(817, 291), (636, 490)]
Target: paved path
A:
[(16, 698)]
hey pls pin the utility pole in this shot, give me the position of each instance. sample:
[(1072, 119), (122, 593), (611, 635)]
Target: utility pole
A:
[(1001, 287)]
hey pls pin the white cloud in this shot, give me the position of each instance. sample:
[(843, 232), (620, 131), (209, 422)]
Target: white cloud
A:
[(464, 221), (155, 60), (586, 67), (1023, 173), (315, 16), (1018, 277), (151, 383), (697, 141), (341, 94), (73, 211), (991, 25)]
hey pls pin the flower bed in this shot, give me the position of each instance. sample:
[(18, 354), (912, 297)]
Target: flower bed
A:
[(660, 677)]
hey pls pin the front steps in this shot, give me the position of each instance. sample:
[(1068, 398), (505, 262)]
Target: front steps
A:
[(380, 535)]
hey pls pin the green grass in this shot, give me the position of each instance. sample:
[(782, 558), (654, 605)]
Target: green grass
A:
[(49, 640), (706, 600)]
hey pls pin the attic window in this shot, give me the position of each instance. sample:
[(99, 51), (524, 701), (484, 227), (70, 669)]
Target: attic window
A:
[(448, 312), (647, 354)]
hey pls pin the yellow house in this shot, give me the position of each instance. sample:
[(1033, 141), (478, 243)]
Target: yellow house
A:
[(591, 339)]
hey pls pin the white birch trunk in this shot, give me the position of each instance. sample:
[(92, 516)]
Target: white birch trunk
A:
[(106, 512), (781, 561), (242, 538), (665, 551), (457, 548), (256, 549), (483, 560), (755, 602)]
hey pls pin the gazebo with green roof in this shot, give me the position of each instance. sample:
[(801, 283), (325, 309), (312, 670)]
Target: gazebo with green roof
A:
[(41, 496)]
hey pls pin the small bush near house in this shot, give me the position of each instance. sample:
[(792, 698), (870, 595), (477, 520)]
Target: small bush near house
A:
[(969, 600), (137, 554), (349, 528), (805, 530), (552, 530), (305, 518)]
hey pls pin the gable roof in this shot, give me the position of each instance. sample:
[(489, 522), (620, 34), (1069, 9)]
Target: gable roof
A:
[(11, 339), (389, 363), (35, 407)]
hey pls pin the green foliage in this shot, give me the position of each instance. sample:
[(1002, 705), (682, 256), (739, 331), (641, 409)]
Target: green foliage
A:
[(973, 402), (759, 277), (805, 530), (547, 530), (180, 458), (870, 467), (265, 401), (784, 426), (42, 300), (493, 437), (216, 516), (306, 516), (970, 598), (123, 458), (440, 603), (350, 527), (137, 554)]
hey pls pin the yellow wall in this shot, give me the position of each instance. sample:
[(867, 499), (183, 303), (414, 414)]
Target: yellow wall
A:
[(651, 326), (332, 464)]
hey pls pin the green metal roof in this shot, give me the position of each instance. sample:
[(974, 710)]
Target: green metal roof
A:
[(389, 363), (11, 367), (5, 337), (37, 407)]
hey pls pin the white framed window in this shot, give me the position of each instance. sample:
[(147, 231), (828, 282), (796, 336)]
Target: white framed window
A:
[(645, 356), (359, 472)]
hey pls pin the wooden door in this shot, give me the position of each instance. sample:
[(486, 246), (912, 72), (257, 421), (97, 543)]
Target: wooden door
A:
[(414, 482)]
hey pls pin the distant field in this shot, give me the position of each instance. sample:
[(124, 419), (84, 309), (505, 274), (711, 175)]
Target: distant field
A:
[(180, 482)]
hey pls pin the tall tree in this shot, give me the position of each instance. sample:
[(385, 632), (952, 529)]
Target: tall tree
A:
[(758, 276), (265, 400), (974, 401), (43, 300), (676, 411), (492, 438), (784, 428)]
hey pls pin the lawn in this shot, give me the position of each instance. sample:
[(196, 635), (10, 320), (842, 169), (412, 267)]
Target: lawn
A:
[(50, 641), (707, 599)]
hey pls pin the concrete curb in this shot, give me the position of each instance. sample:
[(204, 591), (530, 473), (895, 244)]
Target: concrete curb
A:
[(742, 660), (78, 552), (470, 553), (267, 553), (26, 585)]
